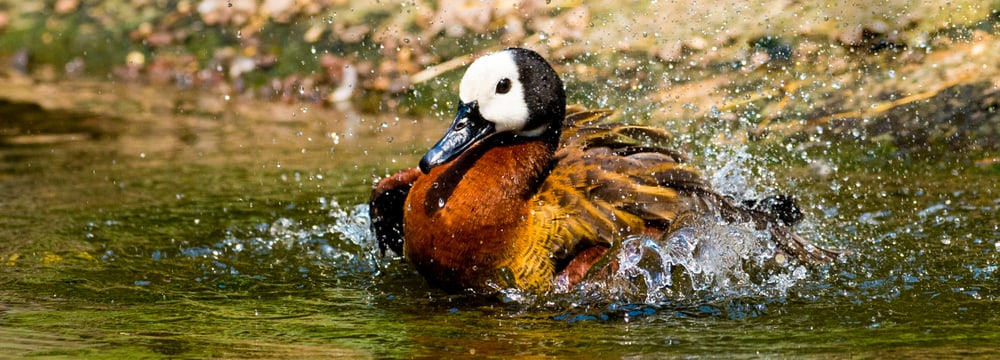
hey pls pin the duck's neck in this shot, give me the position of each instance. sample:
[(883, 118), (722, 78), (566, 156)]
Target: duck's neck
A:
[(503, 171)]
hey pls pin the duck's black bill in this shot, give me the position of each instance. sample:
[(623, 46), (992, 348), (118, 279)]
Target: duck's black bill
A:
[(468, 128)]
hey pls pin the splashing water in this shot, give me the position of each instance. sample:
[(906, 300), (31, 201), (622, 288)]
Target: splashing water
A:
[(344, 249), (732, 169), (702, 259)]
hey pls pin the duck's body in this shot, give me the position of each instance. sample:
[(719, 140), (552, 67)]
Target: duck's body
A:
[(521, 190)]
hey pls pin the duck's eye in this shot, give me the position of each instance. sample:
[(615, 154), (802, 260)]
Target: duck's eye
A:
[(503, 86)]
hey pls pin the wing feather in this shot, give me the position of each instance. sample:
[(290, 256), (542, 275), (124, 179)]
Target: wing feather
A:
[(611, 180)]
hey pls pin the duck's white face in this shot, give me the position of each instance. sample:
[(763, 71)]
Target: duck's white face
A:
[(514, 91), (493, 81)]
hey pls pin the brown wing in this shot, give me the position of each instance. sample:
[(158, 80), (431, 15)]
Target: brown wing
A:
[(612, 180)]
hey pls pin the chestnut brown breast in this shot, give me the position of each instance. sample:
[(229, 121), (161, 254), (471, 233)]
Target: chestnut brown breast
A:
[(468, 224)]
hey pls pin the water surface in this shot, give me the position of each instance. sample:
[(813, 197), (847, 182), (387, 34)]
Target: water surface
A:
[(137, 223)]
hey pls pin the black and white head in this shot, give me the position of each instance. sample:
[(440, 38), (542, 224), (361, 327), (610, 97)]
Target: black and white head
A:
[(514, 92)]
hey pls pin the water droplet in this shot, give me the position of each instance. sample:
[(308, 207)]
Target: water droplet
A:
[(440, 203)]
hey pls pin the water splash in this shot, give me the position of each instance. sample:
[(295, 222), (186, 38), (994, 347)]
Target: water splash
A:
[(703, 259), (732, 171), (288, 249)]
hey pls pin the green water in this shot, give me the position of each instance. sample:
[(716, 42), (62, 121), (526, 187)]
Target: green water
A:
[(137, 229)]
